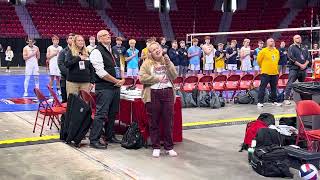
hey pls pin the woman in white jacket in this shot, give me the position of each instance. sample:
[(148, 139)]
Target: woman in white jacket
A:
[(9, 57)]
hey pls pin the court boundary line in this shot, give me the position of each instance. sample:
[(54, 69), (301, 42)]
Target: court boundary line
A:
[(185, 126)]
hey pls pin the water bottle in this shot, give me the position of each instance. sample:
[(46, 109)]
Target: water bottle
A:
[(251, 150)]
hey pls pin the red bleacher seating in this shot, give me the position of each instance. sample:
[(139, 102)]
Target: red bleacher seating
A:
[(10, 25), (134, 20), (51, 18)]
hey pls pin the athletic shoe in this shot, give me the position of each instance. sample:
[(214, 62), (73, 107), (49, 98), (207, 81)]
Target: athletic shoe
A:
[(172, 153), (6, 70), (59, 92), (259, 105), (9, 70), (25, 94), (286, 102), (277, 104), (156, 153)]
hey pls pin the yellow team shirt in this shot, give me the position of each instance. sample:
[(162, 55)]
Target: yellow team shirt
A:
[(145, 52), (219, 62), (268, 60)]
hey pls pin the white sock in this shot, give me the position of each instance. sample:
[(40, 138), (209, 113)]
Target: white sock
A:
[(36, 81), (26, 83)]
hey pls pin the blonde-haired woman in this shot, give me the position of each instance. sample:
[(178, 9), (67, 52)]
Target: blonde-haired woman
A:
[(156, 74), (245, 57), (9, 56), (80, 74)]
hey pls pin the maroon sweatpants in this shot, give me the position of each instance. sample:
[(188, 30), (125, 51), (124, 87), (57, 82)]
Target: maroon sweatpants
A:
[(161, 108)]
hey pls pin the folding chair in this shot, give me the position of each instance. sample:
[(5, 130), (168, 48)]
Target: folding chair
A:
[(190, 83), (232, 84), (205, 83), (219, 83), (56, 101), (89, 100), (46, 109), (257, 81), (307, 108), (282, 81), (246, 82), (178, 82)]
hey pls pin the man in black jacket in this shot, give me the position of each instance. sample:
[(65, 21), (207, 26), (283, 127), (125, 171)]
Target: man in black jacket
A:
[(109, 79), (63, 68), (183, 59), (298, 60), (174, 55)]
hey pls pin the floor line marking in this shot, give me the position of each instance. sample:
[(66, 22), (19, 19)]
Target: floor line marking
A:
[(30, 139)]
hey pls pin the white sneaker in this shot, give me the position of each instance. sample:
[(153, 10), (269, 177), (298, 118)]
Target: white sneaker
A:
[(156, 153), (25, 94), (172, 153), (259, 105), (6, 70), (9, 70), (277, 104), (286, 102), (59, 92)]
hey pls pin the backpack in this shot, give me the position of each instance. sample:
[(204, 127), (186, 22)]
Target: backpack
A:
[(254, 95), (263, 121), (271, 161), (132, 139), (242, 98), (214, 100), (203, 99), (189, 100), (268, 137), (179, 93)]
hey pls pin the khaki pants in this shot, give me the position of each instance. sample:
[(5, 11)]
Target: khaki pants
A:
[(75, 87)]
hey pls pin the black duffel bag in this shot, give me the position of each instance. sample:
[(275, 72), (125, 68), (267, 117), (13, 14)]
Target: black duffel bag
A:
[(271, 161)]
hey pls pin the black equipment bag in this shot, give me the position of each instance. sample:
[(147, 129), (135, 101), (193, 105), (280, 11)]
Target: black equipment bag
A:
[(267, 137), (214, 100), (243, 98), (298, 156), (77, 120), (203, 99), (254, 95), (271, 161), (132, 139)]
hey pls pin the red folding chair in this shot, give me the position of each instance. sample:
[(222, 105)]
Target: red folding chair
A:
[(205, 83), (219, 83), (190, 83), (89, 100), (307, 108), (257, 81), (178, 82), (56, 101), (232, 84), (246, 82), (282, 81), (46, 109)]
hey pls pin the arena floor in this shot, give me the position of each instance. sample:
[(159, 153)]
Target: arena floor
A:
[(209, 149)]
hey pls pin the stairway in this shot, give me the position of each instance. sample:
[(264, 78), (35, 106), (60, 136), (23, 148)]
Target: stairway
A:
[(224, 26), (286, 22), (26, 22), (166, 26)]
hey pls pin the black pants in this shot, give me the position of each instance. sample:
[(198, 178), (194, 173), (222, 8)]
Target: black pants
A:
[(63, 90), (293, 76), (107, 106), (265, 80), (8, 64)]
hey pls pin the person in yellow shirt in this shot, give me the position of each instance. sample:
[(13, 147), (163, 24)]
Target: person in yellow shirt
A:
[(144, 52), (219, 59), (268, 59)]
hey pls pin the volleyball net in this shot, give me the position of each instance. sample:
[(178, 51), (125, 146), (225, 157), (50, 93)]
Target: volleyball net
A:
[(309, 35)]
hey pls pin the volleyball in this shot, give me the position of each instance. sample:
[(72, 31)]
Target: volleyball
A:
[(308, 172)]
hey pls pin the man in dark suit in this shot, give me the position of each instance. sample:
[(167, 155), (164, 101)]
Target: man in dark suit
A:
[(109, 79)]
